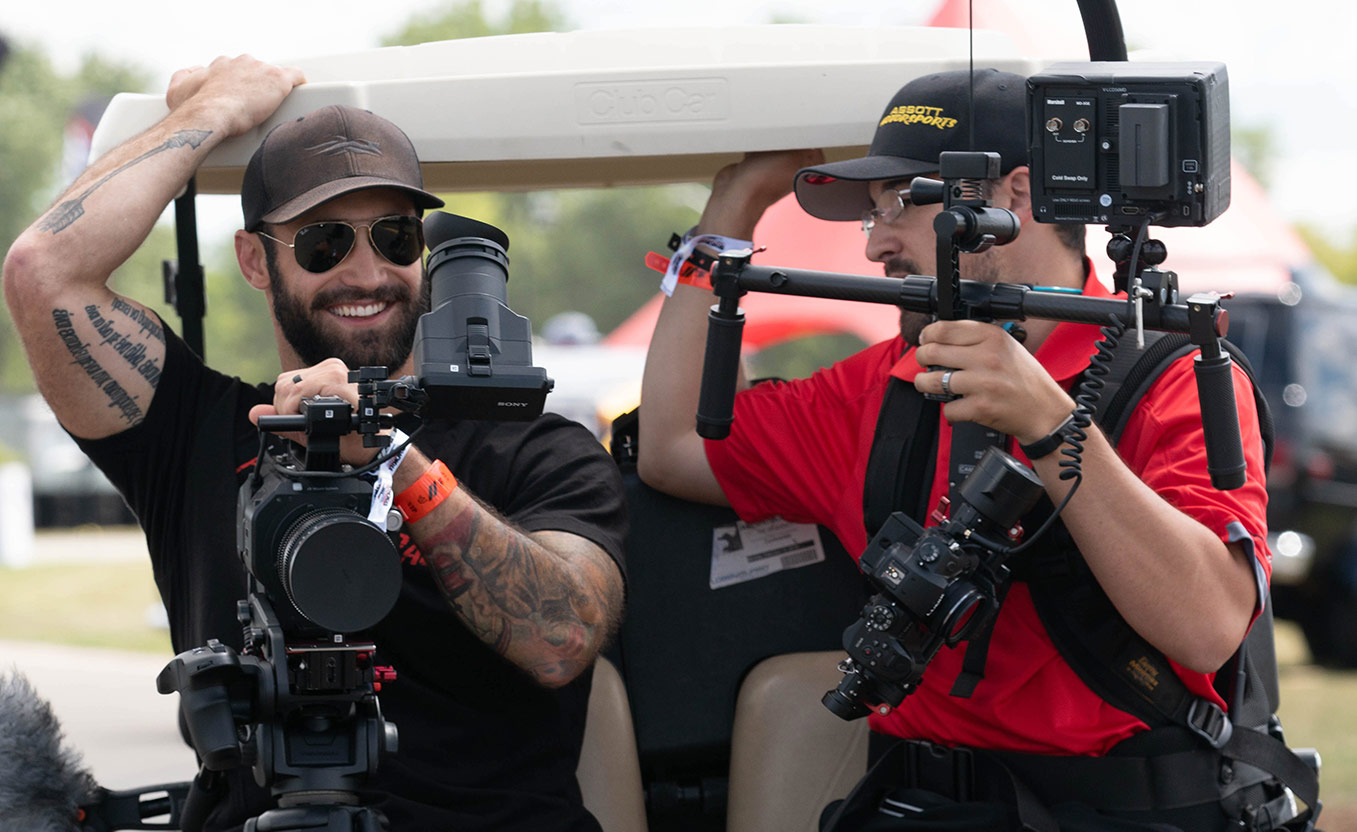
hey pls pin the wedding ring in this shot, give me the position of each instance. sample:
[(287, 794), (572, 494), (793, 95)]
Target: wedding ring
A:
[(947, 384)]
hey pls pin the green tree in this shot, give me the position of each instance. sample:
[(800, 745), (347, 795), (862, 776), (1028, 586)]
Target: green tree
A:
[(467, 19), (581, 250), (36, 104), (590, 256), (1255, 146), (1338, 258)]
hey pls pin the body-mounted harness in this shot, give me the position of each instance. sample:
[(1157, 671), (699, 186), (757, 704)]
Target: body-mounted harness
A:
[(1195, 753)]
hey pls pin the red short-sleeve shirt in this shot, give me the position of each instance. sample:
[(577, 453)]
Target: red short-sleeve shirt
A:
[(800, 449)]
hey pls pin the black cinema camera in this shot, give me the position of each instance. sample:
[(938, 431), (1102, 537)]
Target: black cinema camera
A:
[(307, 539), (299, 703)]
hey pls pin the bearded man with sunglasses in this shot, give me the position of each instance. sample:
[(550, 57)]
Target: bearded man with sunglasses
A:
[(801, 450), (511, 575)]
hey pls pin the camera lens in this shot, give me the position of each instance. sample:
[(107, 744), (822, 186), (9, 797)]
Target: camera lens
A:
[(845, 704), (340, 571)]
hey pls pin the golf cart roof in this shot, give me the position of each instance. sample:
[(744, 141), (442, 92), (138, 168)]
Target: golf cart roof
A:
[(612, 107)]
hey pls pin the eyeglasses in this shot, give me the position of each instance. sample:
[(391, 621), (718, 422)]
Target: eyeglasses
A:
[(321, 246), (890, 204)]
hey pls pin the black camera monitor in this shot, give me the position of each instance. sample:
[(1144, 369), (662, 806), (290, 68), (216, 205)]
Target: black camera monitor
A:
[(1111, 143)]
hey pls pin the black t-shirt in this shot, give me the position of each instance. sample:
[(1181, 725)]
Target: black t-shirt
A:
[(481, 745)]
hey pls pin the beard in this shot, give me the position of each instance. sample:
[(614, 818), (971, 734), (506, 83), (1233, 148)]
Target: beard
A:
[(911, 323), (305, 330), (981, 267)]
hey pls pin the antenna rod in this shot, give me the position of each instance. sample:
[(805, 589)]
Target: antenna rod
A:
[(970, 104)]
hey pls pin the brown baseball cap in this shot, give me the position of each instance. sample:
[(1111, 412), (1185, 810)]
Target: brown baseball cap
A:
[(323, 154)]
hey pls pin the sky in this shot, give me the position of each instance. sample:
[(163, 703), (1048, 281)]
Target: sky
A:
[(1285, 71)]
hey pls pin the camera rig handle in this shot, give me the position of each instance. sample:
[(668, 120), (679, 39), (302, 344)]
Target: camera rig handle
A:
[(1215, 390), (325, 419), (1202, 317), (967, 223), (721, 363)]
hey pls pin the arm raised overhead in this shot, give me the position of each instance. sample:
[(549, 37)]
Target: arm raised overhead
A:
[(97, 355)]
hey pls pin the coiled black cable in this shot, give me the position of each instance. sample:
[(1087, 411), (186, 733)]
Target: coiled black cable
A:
[(1086, 401), (1086, 397)]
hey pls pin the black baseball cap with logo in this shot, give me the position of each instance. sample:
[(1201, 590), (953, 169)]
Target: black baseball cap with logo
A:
[(927, 116), (322, 155)]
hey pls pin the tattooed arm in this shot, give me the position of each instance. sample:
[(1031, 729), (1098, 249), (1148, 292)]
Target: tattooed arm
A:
[(95, 354), (546, 600)]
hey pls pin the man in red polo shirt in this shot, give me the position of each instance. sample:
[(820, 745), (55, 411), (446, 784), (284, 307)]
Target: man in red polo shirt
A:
[(1185, 565)]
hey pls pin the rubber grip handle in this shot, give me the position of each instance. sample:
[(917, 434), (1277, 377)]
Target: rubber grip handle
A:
[(720, 372), (1220, 421), (282, 424)]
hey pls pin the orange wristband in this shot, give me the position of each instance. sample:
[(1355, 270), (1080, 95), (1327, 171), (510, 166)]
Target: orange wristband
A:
[(695, 276), (689, 273), (426, 492)]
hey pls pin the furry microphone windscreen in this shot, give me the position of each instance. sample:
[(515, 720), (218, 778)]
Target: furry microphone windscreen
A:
[(42, 784)]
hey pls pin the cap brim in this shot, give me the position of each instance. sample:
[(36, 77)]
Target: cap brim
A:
[(299, 205), (838, 190)]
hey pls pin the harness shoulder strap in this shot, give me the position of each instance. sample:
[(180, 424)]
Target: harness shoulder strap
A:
[(1103, 649), (900, 466), (1124, 669), (1132, 373), (1110, 657)]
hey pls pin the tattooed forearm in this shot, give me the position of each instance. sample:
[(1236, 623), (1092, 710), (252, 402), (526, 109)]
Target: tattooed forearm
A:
[(133, 351), (79, 350), (519, 598), (149, 325), (71, 210)]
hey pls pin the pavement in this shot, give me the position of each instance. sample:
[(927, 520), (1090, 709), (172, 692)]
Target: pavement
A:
[(109, 710)]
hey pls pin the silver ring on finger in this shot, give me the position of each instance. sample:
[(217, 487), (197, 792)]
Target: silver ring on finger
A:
[(947, 384)]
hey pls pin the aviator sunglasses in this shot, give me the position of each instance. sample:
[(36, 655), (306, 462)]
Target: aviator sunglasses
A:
[(321, 246)]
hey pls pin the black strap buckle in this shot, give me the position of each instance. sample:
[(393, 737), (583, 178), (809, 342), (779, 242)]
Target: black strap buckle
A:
[(1208, 721), (939, 769)]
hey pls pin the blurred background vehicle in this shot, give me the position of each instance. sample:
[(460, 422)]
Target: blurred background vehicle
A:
[(67, 490), (1302, 340)]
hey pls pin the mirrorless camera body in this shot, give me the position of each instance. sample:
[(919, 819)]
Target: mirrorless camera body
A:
[(938, 586)]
